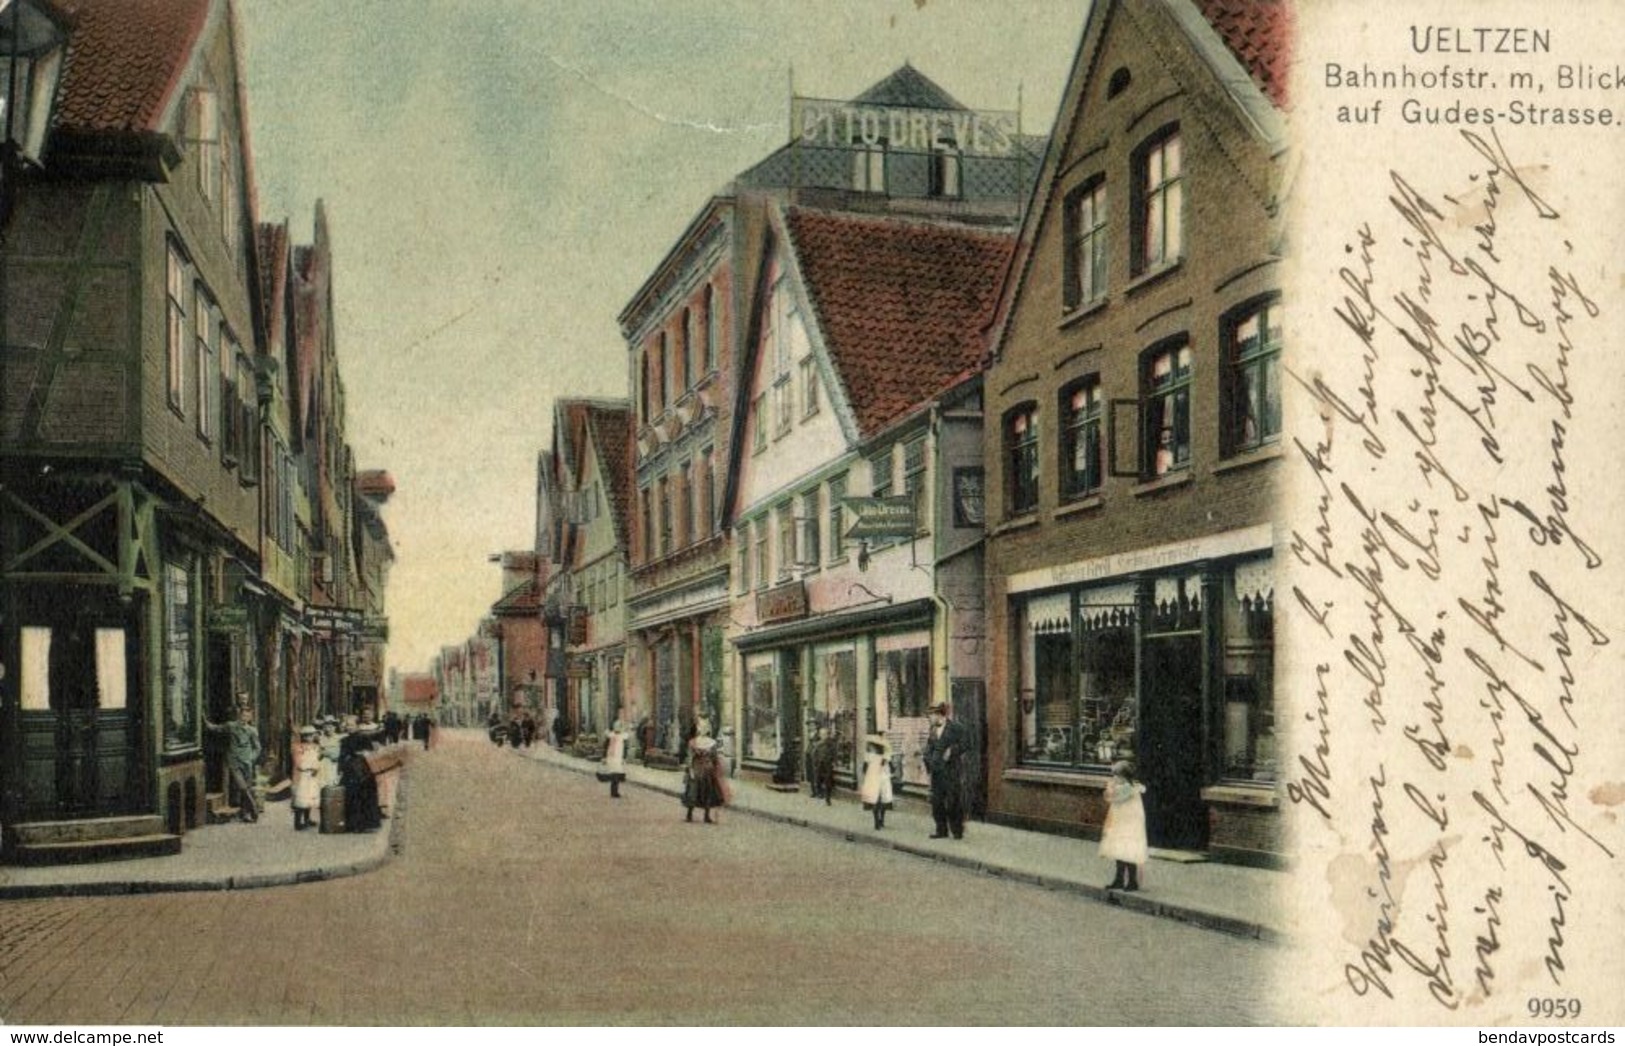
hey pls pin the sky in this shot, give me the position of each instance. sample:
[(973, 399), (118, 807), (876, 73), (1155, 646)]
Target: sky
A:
[(499, 179)]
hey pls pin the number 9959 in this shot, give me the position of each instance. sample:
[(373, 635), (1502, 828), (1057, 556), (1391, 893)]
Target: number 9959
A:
[(1559, 1008)]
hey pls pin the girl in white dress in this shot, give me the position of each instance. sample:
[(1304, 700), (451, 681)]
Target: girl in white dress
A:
[(875, 788), (1123, 838)]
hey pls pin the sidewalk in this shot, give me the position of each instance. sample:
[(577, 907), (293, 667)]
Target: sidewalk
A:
[(236, 855), (1229, 898)]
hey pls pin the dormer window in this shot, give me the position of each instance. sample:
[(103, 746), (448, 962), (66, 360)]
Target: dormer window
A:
[(205, 139)]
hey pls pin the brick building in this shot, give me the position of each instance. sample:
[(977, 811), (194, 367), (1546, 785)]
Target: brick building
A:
[(1134, 426)]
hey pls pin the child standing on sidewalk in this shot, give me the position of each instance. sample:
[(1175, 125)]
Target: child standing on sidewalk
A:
[(1123, 837), (875, 790)]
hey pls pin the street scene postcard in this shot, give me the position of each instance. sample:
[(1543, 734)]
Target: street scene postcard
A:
[(855, 512)]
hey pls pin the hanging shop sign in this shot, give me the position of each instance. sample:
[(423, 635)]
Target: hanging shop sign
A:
[(879, 518)]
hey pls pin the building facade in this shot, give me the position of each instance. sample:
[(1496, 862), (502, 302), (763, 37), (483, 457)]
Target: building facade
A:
[(1134, 426), (861, 394), (158, 502)]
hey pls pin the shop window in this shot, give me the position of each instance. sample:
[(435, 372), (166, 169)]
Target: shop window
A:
[(1249, 675), (1077, 693), (902, 695), (177, 330), (1085, 259), (835, 700), (1252, 350), (1021, 459), (1160, 203), (762, 728), (180, 713), (1166, 398), (1081, 446)]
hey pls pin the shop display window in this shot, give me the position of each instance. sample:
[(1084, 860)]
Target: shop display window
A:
[(763, 739), (1249, 675)]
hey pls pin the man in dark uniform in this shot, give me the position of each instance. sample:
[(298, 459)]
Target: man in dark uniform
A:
[(944, 758)]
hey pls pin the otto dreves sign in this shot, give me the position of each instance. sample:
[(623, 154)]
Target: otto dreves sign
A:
[(822, 122)]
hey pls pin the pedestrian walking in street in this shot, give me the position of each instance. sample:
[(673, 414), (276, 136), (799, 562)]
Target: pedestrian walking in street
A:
[(1122, 839), (823, 767), (242, 756), (706, 787), (307, 785), (944, 758), (614, 770), (875, 790)]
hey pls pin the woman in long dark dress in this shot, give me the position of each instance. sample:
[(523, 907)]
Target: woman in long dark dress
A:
[(361, 811), (706, 787)]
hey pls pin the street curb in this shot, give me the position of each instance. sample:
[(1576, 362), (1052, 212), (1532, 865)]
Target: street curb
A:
[(249, 881), (1139, 903)]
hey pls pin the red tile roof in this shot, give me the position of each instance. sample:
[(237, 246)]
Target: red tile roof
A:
[(1259, 33), (612, 433), (125, 59), (521, 599), (901, 304)]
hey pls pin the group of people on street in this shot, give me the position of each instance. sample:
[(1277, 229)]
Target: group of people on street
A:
[(706, 772), (324, 756)]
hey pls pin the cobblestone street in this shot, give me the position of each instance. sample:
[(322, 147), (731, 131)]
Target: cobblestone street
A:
[(525, 895)]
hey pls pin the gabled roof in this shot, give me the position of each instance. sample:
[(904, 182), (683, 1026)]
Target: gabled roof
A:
[(125, 58), (907, 86), (524, 598), (271, 248), (901, 305), (1259, 33), (612, 435)]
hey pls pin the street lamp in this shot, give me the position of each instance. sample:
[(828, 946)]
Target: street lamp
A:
[(32, 44)]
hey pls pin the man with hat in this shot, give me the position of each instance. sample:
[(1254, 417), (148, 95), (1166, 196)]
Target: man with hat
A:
[(242, 755), (944, 758)]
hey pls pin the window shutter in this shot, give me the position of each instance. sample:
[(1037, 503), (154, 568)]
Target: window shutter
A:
[(1123, 438)]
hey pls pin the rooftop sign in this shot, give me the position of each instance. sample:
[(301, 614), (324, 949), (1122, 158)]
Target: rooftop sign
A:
[(970, 132)]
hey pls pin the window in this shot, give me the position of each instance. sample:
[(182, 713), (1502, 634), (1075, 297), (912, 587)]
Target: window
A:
[(664, 486), (1085, 261), (177, 329), (228, 200), (709, 317), (1077, 696), (787, 540), (232, 432), (869, 166), (945, 172), (782, 398), (208, 367), (648, 514), (1021, 459), (759, 425), (206, 137), (660, 373), (742, 543), (812, 545), (914, 481), (1253, 350), (707, 495), (1081, 448), (809, 387), (880, 474), (685, 504), (761, 552), (1167, 399), (685, 344), (1162, 203), (643, 387), (837, 521)]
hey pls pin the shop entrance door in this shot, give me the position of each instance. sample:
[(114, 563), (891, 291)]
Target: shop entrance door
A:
[(75, 722), (1170, 742)]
